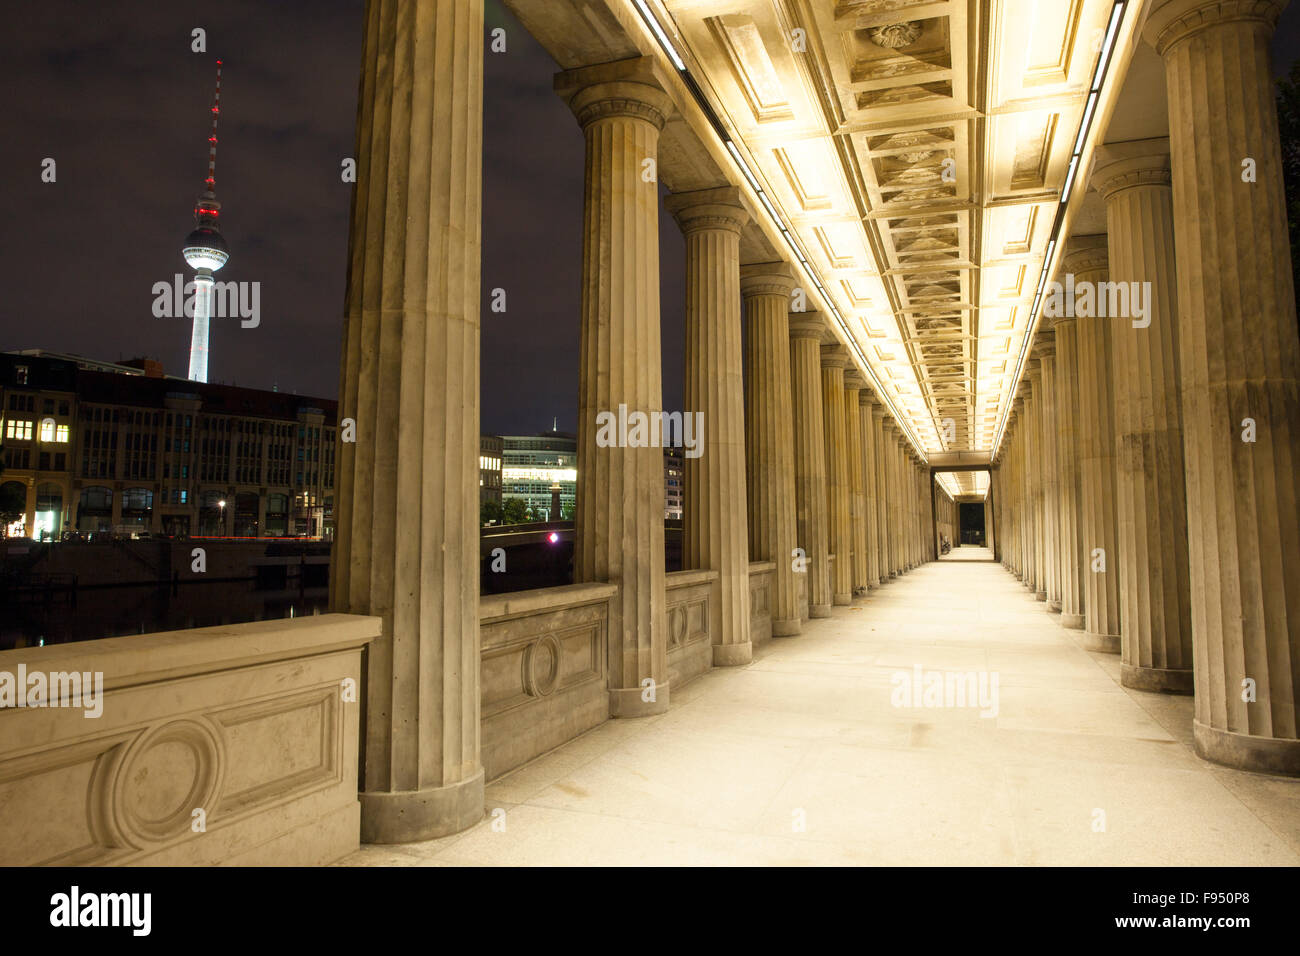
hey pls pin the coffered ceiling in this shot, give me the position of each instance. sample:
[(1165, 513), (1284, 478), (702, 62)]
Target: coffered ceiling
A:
[(917, 150)]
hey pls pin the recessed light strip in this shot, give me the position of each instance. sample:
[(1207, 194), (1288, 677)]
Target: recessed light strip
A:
[(1076, 161)]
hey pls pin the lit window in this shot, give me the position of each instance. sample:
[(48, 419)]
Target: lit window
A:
[(18, 430), (61, 434), (185, 495), (47, 429)]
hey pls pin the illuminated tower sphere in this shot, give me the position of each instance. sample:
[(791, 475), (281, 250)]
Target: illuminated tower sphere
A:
[(205, 251)]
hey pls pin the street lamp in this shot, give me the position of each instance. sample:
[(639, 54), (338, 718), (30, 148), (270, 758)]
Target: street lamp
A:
[(222, 505)]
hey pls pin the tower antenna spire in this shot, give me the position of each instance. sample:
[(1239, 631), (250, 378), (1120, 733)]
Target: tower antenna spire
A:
[(211, 181), (205, 251)]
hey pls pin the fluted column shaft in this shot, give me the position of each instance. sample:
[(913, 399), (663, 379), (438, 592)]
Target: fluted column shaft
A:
[(895, 503), (619, 526), (838, 492), (812, 519), (1101, 554), (857, 489), (406, 547), (1069, 512), (769, 435), (1036, 504), (715, 532), (1239, 359), (880, 447), (1045, 349), (867, 417), (1155, 587)]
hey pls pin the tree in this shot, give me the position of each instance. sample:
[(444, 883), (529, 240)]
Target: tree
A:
[(566, 512), (514, 511), (489, 512)]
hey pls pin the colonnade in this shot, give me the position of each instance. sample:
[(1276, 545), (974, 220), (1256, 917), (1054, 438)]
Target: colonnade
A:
[(803, 464), (1153, 451)]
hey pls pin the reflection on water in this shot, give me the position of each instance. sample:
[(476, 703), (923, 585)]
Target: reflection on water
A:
[(92, 613)]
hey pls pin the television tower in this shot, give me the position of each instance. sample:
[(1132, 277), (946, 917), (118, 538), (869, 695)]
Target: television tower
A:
[(205, 251)]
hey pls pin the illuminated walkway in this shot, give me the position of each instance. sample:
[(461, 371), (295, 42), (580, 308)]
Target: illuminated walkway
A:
[(807, 732), (967, 553)]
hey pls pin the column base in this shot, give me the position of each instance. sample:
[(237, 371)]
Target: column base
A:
[(627, 702), (1054, 607), (1162, 680), (1073, 621), (1106, 643), (787, 628), (819, 610), (1248, 752), (410, 816), (843, 599), (1040, 595), (732, 655)]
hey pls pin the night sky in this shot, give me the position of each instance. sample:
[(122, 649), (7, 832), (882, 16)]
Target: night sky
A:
[(114, 94)]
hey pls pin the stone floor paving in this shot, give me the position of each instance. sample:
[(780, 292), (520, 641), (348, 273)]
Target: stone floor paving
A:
[(802, 757)]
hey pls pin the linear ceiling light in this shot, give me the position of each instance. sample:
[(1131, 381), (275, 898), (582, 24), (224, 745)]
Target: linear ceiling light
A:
[(1076, 161)]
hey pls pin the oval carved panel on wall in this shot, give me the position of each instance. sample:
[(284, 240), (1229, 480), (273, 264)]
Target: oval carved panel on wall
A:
[(166, 774)]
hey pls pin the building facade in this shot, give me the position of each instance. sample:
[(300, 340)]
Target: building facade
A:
[(531, 464), (489, 469), (104, 451)]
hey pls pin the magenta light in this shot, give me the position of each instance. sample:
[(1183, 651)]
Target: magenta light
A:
[(554, 537)]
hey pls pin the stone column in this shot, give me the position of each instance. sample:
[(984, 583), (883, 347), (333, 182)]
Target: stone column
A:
[(1239, 359), (1086, 258), (891, 497), (407, 539), (1034, 472), (853, 383), (1069, 507), (1017, 453), (835, 359), (1045, 351), (1155, 588), (990, 538), (1026, 446), (769, 434), (810, 457), (619, 519), (867, 418), (715, 533), (878, 444)]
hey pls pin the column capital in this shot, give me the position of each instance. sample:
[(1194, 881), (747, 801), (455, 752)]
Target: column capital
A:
[(835, 356), (807, 325), (1044, 343), (1034, 371), (1086, 254), (767, 278), (855, 380), (878, 411), (866, 396), (701, 209), (1142, 162), (1172, 21), (634, 88)]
